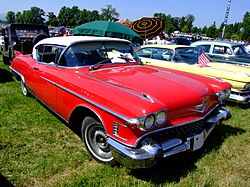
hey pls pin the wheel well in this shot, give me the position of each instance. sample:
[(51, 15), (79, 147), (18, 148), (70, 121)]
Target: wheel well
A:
[(77, 117)]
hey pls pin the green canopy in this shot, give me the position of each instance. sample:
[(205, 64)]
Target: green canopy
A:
[(109, 29)]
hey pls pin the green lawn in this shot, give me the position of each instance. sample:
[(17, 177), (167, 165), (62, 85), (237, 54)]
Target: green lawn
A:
[(36, 149)]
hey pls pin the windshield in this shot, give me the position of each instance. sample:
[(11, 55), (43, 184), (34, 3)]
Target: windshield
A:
[(240, 50), (91, 53), (29, 33), (187, 55)]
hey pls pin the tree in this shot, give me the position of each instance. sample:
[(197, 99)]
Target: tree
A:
[(246, 27), (10, 17), (74, 13), (212, 31), (19, 18), (182, 23), (109, 13), (189, 21), (38, 15), (161, 16), (185, 29), (63, 16), (93, 15), (52, 19)]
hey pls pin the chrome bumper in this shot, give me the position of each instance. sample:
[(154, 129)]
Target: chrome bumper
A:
[(150, 151), (240, 98)]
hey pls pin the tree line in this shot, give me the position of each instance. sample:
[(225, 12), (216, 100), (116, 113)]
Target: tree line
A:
[(72, 17)]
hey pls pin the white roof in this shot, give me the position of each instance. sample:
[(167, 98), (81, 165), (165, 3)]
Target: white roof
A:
[(68, 40)]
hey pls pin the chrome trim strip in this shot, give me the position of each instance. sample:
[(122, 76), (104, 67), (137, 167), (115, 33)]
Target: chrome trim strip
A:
[(15, 71), (129, 120), (142, 95), (116, 130)]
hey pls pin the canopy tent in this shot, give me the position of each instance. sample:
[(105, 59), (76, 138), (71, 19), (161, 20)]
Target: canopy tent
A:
[(108, 29), (148, 28)]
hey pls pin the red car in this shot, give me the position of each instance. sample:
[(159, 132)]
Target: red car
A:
[(123, 110)]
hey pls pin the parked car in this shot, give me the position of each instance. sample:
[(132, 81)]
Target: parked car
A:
[(182, 41), (123, 110), (185, 58), (21, 37), (224, 51)]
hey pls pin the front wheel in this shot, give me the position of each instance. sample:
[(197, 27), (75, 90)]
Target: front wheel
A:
[(96, 141)]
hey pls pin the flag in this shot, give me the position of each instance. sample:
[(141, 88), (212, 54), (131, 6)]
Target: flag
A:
[(203, 60)]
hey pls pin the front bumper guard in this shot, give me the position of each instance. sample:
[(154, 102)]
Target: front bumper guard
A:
[(151, 151)]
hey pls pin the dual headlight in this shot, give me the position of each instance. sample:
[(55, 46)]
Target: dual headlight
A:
[(223, 94), (151, 120)]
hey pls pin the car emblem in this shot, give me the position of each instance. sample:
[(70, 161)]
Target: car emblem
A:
[(201, 107)]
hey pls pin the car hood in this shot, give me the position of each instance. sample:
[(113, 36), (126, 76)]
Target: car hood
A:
[(230, 71), (140, 90)]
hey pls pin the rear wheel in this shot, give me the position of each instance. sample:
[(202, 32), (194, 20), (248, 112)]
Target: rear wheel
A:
[(96, 141)]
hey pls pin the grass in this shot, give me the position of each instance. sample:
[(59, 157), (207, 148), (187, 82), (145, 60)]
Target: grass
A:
[(36, 149)]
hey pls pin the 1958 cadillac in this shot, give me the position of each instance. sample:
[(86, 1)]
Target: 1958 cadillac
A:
[(185, 58), (123, 110)]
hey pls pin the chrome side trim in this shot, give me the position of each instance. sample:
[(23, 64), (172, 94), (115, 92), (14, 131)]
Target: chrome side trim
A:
[(142, 95), (129, 120), (116, 130), (16, 72)]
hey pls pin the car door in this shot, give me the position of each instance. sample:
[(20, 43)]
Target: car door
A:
[(222, 53), (46, 74)]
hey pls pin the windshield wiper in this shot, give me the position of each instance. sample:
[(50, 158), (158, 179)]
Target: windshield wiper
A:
[(93, 67)]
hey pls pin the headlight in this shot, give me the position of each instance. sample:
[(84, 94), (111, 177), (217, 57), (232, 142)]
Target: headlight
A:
[(247, 86), (147, 122), (160, 118), (224, 94)]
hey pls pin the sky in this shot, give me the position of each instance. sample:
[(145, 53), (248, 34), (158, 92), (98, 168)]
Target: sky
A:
[(206, 12)]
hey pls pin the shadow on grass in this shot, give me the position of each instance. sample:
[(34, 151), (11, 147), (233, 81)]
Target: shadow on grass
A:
[(5, 76), (241, 106), (4, 182), (175, 167)]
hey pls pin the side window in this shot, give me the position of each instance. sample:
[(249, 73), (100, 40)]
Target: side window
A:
[(205, 48), (168, 54), (48, 54), (218, 49), (146, 52), (157, 54), (228, 51), (69, 59)]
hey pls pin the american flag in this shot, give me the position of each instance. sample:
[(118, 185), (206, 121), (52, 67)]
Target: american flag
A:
[(203, 60)]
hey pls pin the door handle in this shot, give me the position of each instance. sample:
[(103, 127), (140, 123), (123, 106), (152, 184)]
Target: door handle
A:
[(148, 62), (36, 68)]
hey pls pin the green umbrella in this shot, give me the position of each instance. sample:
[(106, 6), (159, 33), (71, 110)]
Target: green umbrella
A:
[(109, 29)]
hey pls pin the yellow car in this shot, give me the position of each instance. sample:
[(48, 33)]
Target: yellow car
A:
[(186, 58)]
